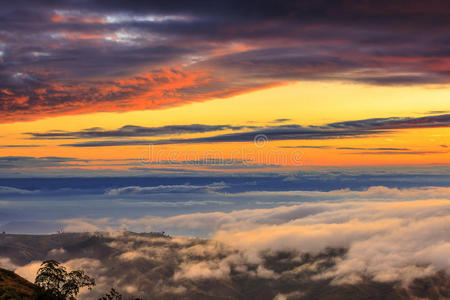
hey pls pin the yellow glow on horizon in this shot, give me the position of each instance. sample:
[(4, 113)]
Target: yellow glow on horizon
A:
[(305, 103)]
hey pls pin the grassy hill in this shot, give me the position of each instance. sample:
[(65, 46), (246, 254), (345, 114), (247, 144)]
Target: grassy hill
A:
[(12, 286)]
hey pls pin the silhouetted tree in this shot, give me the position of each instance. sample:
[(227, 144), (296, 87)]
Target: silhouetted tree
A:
[(53, 278)]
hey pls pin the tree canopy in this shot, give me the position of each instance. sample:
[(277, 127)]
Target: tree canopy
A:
[(54, 279)]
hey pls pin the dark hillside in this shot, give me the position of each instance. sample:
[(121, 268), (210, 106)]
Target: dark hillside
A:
[(12, 286)]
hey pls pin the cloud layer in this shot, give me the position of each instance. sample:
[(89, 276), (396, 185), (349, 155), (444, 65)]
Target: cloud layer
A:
[(329, 247)]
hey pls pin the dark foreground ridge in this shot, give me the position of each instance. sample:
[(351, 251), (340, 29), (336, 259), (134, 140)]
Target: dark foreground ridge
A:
[(12, 286), (156, 266)]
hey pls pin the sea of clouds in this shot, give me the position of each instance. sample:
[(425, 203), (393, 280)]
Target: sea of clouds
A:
[(387, 241)]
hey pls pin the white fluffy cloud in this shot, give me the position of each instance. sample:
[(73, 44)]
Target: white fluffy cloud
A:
[(388, 241)]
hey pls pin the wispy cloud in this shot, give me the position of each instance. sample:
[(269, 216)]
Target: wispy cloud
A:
[(186, 188), (280, 120), (11, 162), (134, 131), (338, 130), (396, 152)]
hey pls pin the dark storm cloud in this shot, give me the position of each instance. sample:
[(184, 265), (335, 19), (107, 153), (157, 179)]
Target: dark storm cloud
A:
[(338, 130), (67, 57), (133, 131), (266, 9)]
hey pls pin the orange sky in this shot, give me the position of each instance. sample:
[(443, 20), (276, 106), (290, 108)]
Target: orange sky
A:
[(304, 103)]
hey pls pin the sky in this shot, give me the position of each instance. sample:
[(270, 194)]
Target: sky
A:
[(174, 101), (89, 85)]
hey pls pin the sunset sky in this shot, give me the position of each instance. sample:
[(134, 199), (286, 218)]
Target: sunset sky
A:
[(87, 86)]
